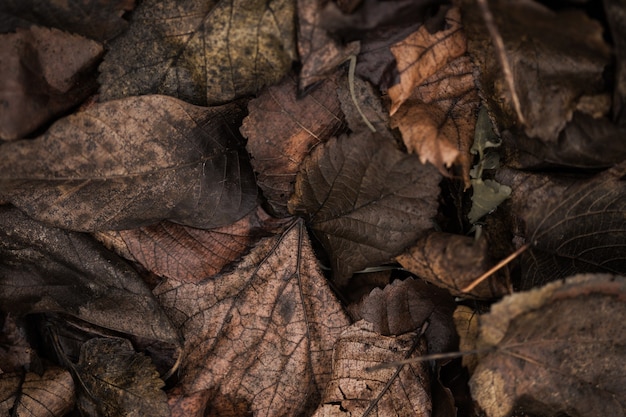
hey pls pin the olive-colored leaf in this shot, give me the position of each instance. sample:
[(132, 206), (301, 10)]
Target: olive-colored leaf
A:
[(191, 255), (51, 394), (422, 54), (44, 269), (116, 381), (95, 19), (486, 196), (404, 306), (352, 389), (555, 59), (438, 119), (130, 163), (365, 200), (207, 52), (562, 344), (572, 226), (43, 73), (282, 129), (453, 262), (259, 337)]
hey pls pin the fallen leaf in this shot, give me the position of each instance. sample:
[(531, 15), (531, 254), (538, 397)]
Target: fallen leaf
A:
[(106, 167), (365, 200), (201, 52), (44, 269), (261, 335), (555, 58), (615, 15), (191, 255), (369, 103), (352, 390), (453, 262), (16, 353), (44, 72), (96, 19), (466, 323), (48, 395), (422, 54), (487, 195), (404, 306), (116, 381), (572, 226), (438, 120), (319, 52), (282, 129), (562, 344)]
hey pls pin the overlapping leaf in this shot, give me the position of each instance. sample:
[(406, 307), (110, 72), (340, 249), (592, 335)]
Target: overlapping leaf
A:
[(104, 168), (205, 52), (364, 200), (260, 337)]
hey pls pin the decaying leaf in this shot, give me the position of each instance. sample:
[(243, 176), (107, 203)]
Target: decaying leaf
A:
[(261, 335), (572, 226), (16, 353), (453, 262), (44, 269), (352, 390), (422, 54), (205, 52), (282, 129), (364, 200), (130, 163), (48, 395), (562, 344), (116, 381), (95, 19), (369, 102), (404, 306), (466, 323), (438, 119), (555, 59), (43, 73), (188, 254)]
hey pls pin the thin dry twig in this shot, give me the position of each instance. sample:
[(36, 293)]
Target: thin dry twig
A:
[(495, 268)]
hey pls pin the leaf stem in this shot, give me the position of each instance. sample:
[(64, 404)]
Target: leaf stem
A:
[(351, 72)]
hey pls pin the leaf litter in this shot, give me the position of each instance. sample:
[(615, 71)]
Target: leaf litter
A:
[(257, 298)]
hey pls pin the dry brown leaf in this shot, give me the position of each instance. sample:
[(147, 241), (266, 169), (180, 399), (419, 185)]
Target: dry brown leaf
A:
[(437, 122), (422, 54), (16, 352), (281, 130), (369, 102), (47, 395), (466, 323), (352, 389), (43, 73), (261, 335), (453, 262), (190, 255), (561, 344)]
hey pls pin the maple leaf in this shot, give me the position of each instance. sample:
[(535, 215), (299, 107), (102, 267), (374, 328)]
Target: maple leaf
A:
[(275, 304)]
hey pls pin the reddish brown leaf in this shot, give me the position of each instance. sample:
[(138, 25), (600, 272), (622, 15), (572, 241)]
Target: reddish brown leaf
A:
[(261, 335), (437, 122), (352, 389), (562, 344), (43, 73), (453, 262), (282, 129), (422, 54)]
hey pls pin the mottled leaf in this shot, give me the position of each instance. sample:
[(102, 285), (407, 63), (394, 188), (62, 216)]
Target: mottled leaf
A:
[(572, 226), (562, 344), (132, 162), (207, 52), (404, 306), (365, 200), (44, 269), (453, 262), (282, 129), (44, 72), (48, 395), (258, 339), (352, 389), (116, 381)]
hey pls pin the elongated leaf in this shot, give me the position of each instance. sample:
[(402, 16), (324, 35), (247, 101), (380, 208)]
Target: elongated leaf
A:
[(204, 52), (365, 200), (44, 269), (130, 163)]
